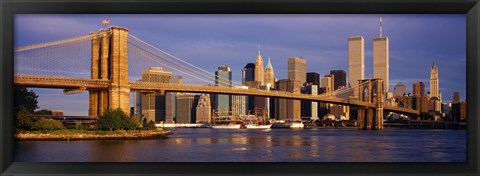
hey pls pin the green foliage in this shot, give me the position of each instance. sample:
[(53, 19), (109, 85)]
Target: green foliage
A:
[(144, 122), (111, 119), (47, 124), (150, 126), (25, 99), (25, 119), (116, 119), (24, 105), (78, 126), (134, 123), (44, 112)]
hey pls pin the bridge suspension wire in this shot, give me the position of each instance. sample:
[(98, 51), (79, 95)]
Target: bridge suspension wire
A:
[(183, 67), (353, 88), (52, 43), (344, 93), (180, 67), (183, 61), (68, 58), (171, 67), (410, 107)]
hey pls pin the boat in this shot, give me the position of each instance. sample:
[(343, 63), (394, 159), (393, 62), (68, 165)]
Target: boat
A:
[(287, 124), (252, 126), (227, 126), (181, 125), (280, 124), (296, 125)]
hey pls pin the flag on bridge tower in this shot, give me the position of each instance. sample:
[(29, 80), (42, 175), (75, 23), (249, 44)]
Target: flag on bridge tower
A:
[(105, 21)]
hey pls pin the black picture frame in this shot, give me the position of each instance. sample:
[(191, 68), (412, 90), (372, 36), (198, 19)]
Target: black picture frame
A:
[(8, 8)]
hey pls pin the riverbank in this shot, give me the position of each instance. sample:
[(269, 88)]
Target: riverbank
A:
[(91, 135)]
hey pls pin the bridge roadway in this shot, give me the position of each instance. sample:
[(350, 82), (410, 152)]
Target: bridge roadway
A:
[(98, 84)]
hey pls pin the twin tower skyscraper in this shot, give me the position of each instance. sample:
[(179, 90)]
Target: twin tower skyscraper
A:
[(356, 60)]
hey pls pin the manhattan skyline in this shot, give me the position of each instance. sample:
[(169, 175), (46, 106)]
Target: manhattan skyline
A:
[(208, 41)]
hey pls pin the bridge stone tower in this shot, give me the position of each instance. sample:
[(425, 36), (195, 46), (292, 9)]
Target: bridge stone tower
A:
[(370, 90), (110, 62)]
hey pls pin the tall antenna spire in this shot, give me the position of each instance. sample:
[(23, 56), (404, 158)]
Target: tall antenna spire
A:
[(380, 26), (258, 49)]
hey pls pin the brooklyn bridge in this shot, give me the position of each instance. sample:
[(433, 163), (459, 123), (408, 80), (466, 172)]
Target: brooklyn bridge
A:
[(108, 63)]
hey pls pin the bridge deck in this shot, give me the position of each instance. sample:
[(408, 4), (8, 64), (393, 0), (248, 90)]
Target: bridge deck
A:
[(60, 82), (94, 84)]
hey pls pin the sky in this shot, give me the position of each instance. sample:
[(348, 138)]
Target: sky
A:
[(209, 41)]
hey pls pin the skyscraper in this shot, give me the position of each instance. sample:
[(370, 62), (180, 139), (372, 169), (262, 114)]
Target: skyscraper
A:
[(288, 109), (259, 69), (456, 97), (239, 105), (170, 100), (356, 61), (310, 108), (156, 74), (137, 101), (327, 83), (269, 74), (186, 107), (314, 78), (418, 89), (261, 104), (248, 79), (170, 107), (176, 79), (223, 77), (153, 106), (248, 74), (340, 78), (381, 57), (203, 113), (419, 99), (435, 94), (399, 90), (297, 69)]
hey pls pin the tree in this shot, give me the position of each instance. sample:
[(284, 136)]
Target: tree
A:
[(25, 119), (25, 99), (133, 123), (47, 124), (116, 119), (111, 119), (150, 125), (44, 112), (144, 122)]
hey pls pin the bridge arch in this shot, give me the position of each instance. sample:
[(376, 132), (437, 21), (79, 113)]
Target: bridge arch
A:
[(370, 90)]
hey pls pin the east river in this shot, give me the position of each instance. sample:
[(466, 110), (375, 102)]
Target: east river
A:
[(271, 145)]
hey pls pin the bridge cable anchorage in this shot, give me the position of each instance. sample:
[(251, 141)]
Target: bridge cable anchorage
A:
[(185, 62)]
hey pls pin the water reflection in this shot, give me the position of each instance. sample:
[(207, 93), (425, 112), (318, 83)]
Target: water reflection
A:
[(278, 145)]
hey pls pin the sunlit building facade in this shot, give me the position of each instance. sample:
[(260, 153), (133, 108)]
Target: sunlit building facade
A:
[(356, 61), (153, 106), (381, 57)]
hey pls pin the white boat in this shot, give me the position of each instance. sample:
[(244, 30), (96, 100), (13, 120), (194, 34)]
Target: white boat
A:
[(296, 125), (229, 126), (180, 125), (258, 126)]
